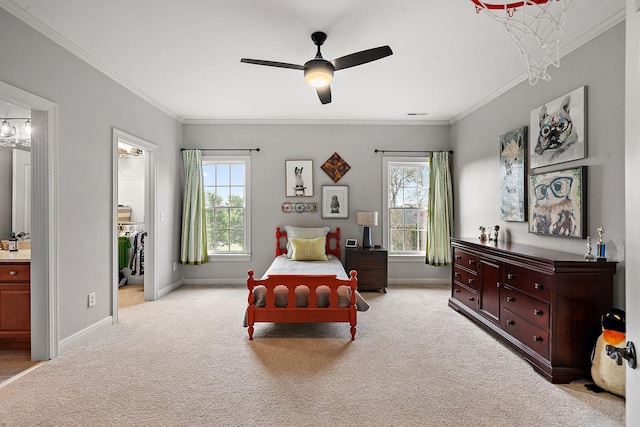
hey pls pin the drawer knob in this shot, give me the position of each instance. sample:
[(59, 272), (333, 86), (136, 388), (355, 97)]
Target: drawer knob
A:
[(471, 281), (458, 257), (472, 261), (537, 338), (510, 299), (13, 272), (472, 299), (511, 276), (457, 274), (456, 291), (538, 286), (510, 322), (537, 312)]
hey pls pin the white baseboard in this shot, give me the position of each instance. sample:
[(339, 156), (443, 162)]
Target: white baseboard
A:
[(168, 289), (84, 334), (420, 282), (214, 282)]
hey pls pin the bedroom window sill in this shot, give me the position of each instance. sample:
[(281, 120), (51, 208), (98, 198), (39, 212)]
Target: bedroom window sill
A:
[(417, 258), (229, 257)]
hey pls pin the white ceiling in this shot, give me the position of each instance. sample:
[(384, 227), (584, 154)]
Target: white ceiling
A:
[(184, 56)]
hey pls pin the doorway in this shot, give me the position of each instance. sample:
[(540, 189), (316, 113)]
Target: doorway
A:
[(134, 207)]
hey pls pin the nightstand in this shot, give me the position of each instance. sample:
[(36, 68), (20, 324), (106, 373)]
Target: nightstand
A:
[(371, 265)]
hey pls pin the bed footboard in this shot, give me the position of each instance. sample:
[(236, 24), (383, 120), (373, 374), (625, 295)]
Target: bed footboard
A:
[(305, 306)]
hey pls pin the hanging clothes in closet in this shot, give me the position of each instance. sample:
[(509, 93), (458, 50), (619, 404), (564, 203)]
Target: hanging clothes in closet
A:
[(136, 265)]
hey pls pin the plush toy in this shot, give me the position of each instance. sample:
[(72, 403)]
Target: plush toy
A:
[(605, 371)]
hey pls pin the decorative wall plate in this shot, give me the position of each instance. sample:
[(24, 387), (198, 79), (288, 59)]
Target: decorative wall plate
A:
[(335, 167)]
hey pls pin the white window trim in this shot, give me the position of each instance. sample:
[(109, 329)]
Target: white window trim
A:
[(395, 256), (246, 256)]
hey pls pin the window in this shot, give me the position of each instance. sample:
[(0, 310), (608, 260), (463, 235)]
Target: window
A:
[(226, 191), (406, 188)]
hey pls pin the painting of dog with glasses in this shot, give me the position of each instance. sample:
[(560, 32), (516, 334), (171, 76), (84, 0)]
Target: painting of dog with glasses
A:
[(557, 203), (558, 130)]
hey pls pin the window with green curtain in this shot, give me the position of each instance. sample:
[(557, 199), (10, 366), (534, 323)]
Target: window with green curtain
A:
[(440, 223), (193, 242)]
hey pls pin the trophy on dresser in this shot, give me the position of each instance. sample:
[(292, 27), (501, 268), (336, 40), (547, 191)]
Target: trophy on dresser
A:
[(601, 247), (589, 256)]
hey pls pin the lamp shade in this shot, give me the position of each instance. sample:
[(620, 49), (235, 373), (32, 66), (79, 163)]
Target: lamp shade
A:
[(367, 218), (318, 73)]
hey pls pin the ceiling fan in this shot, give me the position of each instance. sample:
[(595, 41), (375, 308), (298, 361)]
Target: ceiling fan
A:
[(318, 72)]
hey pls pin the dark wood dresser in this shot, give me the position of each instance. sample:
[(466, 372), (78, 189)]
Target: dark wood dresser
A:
[(545, 304), (371, 265)]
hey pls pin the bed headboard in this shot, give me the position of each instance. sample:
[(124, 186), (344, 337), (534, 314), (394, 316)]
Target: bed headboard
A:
[(333, 242)]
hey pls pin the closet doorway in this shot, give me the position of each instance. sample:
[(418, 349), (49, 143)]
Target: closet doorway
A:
[(134, 208)]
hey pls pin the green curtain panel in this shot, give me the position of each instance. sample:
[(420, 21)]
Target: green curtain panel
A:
[(193, 245), (440, 224)]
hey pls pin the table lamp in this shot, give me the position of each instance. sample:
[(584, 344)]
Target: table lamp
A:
[(367, 219)]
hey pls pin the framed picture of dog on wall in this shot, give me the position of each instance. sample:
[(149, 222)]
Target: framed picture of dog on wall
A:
[(557, 203), (558, 131)]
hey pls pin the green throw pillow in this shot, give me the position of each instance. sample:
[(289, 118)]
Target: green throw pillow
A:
[(308, 249)]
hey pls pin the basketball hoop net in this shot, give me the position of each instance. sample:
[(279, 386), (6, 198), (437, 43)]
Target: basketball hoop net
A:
[(535, 27)]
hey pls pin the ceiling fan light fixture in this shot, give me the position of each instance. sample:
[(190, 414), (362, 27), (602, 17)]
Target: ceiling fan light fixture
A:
[(318, 73)]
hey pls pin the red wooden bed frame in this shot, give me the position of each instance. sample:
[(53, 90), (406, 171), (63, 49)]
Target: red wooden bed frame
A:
[(312, 313)]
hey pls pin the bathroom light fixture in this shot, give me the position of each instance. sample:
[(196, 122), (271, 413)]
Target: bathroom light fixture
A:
[(10, 136)]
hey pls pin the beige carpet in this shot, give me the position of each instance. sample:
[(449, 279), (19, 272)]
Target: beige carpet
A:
[(185, 360)]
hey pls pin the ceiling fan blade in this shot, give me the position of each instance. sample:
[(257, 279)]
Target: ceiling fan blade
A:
[(272, 63), (362, 57), (324, 93)]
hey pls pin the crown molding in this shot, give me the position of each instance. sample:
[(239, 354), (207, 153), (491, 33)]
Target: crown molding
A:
[(65, 43), (574, 44)]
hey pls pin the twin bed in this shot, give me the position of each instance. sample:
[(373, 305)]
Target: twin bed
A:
[(306, 283)]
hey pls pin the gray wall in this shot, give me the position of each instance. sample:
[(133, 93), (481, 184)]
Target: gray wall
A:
[(356, 145), (599, 65), (89, 105)]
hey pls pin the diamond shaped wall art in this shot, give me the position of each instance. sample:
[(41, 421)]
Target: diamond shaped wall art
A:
[(335, 167)]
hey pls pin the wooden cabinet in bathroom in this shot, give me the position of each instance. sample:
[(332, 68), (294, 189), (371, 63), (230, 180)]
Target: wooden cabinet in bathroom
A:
[(15, 305)]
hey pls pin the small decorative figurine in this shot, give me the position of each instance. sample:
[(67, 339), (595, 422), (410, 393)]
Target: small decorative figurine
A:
[(493, 235), (589, 255), (601, 247), (483, 234)]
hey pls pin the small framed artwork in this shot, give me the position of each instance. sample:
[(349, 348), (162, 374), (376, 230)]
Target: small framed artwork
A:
[(558, 130), (335, 201), (351, 243), (298, 178), (557, 203), (513, 175)]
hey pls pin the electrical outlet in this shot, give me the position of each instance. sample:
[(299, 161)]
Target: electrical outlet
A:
[(92, 299), (175, 266)]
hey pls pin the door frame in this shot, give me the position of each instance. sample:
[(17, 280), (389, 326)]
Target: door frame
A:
[(150, 223), (44, 219)]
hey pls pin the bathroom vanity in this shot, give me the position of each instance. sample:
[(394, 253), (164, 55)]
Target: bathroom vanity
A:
[(15, 300)]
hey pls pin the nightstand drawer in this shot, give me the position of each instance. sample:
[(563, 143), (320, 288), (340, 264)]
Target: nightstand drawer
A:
[(371, 265)]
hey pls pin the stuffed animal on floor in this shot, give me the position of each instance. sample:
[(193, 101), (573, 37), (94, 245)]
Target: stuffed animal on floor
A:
[(606, 373)]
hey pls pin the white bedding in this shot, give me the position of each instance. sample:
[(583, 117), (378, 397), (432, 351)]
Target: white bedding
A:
[(283, 265)]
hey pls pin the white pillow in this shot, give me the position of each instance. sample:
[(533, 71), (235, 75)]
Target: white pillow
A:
[(303, 233)]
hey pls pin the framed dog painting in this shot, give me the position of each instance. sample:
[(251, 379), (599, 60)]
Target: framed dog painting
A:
[(558, 131), (557, 203)]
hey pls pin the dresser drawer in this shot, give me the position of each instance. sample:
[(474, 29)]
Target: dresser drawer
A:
[(533, 310), (527, 333), (465, 259), (465, 277), (531, 282), (465, 296), (15, 272)]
